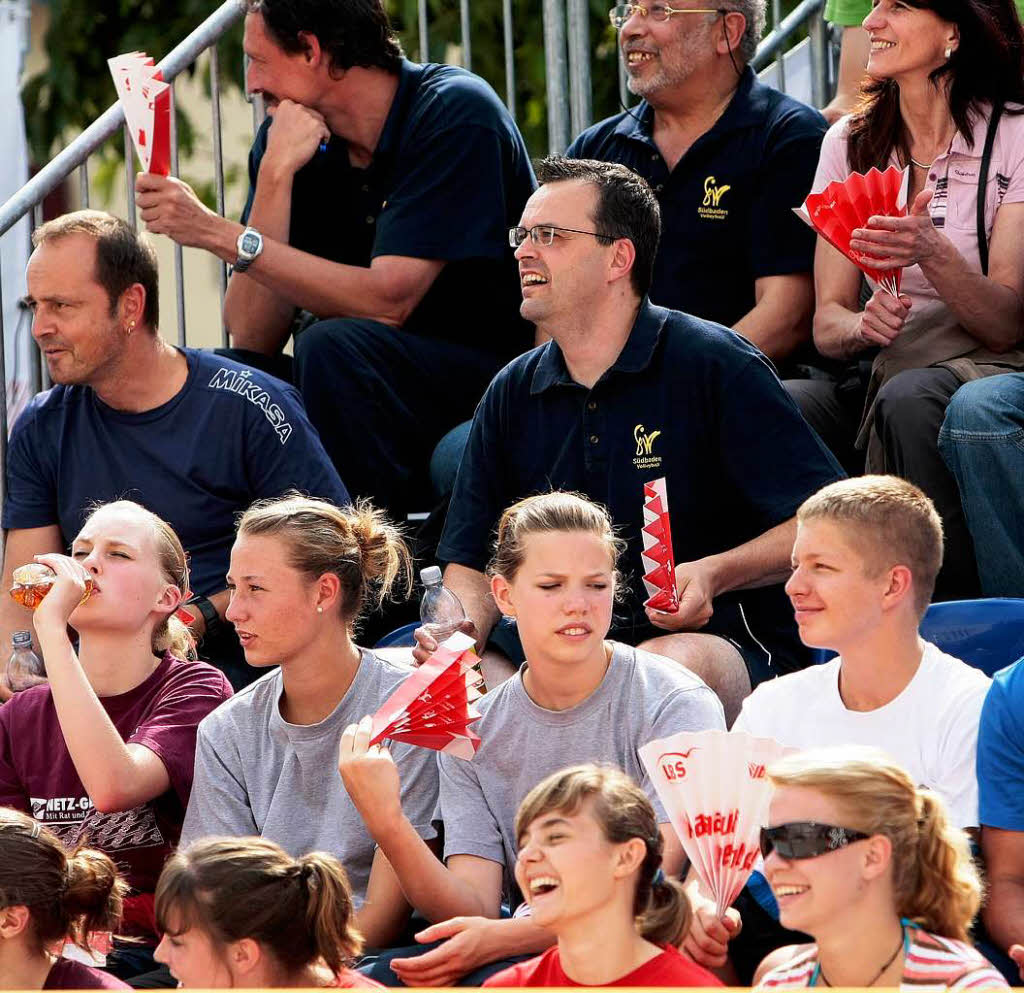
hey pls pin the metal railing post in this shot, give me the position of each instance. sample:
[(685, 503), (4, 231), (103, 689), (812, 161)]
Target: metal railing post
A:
[(579, 65), (510, 56), (179, 276), (467, 41), (421, 6), (557, 76), (83, 184), (218, 173), (817, 31), (129, 177)]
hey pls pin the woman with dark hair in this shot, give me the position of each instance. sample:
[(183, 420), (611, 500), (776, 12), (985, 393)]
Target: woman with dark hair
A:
[(946, 81), (48, 896), (242, 912)]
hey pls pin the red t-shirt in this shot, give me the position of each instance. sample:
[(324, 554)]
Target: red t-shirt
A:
[(670, 968), (38, 776), (68, 975)]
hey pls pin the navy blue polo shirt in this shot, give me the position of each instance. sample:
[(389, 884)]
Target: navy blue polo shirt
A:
[(449, 177), (686, 399), (726, 208)]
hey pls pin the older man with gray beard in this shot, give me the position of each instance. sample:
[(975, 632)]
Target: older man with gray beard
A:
[(727, 158)]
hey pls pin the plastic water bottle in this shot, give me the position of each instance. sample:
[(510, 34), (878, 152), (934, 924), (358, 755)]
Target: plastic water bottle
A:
[(24, 667), (440, 610)]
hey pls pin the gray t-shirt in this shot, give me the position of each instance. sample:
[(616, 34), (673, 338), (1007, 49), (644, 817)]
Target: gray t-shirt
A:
[(641, 697), (258, 774)]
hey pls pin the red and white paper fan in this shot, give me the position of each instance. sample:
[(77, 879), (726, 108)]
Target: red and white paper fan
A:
[(146, 100), (842, 207), (659, 563), (433, 706), (716, 793)]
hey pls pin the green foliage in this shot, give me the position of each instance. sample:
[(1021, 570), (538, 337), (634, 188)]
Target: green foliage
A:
[(75, 88)]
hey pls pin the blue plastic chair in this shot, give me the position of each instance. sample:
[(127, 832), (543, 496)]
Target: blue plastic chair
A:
[(400, 637), (987, 634)]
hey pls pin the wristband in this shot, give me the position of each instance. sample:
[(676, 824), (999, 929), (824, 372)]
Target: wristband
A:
[(211, 619)]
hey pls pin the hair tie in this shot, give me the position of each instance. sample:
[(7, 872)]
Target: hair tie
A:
[(36, 827), (306, 871), (659, 878)]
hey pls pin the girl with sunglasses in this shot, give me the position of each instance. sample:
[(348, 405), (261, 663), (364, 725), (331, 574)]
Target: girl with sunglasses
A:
[(870, 866)]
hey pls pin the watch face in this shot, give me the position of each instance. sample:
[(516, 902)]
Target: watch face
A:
[(250, 244)]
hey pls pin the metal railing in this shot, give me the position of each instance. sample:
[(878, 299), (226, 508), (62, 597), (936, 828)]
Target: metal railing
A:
[(566, 26)]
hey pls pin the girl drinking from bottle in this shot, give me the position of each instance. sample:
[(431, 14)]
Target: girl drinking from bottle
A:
[(46, 897), (302, 571), (241, 912), (868, 863), (104, 750), (579, 698)]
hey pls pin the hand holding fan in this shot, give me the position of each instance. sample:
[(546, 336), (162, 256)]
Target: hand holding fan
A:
[(842, 207), (432, 707), (660, 565), (714, 788), (146, 100)]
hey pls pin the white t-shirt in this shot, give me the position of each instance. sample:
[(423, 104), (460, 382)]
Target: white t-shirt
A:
[(931, 728)]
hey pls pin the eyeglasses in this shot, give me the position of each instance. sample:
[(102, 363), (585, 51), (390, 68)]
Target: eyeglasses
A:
[(544, 234), (806, 839), (661, 12)]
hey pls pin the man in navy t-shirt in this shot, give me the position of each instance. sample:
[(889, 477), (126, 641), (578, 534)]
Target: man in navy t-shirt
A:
[(379, 199), (625, 393), (192, 436), (727, 158)]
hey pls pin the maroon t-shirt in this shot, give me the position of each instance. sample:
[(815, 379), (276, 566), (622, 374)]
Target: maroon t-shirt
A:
[(68, 975), (162, 713), (670, 968)]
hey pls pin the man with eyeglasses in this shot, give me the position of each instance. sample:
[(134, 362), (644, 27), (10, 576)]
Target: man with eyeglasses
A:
[(625, 393), (728, 157), (380, 194)]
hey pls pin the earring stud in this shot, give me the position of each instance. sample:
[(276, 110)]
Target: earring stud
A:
[(319, 610), (949, 51)]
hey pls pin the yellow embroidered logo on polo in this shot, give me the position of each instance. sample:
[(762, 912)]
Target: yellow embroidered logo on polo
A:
[(644, 444), (710, 208)]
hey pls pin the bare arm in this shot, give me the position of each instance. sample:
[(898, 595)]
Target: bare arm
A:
[(385, 910), (762, 561), (256, 317), (836, 287), (117, 776), (1004, 863), (781, 317), (473, 589), (21, 545)]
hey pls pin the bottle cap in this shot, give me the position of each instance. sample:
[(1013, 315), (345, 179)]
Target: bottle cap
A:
[(21, 639), (431, 575)]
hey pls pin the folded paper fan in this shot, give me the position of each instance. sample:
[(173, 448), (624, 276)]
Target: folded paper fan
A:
[(433, 706), (716, 793), (842, 207), (659, 564), (146, 100)]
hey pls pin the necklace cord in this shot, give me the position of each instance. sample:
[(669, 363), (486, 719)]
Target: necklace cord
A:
[(878, 975)]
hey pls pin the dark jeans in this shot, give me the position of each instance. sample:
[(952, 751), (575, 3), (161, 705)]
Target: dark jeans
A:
[(908, 415), (382, 398), (378, 966)]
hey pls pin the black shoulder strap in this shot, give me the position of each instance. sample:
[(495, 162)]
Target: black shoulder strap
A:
[(986, 161)]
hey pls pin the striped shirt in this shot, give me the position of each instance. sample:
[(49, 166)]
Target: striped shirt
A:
[(930, 963)]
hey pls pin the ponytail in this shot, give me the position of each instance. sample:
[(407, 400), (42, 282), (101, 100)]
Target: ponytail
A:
[(67, 896), (173, 636), (946, 893), (94, 896), (299, 910), (665, 919), (357, 544), (329, 910)]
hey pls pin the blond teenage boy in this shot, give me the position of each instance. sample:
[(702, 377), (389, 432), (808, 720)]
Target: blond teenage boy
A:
[(864, 564)]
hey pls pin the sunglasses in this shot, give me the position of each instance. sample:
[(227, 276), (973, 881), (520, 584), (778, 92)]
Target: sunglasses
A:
[(806, 839)]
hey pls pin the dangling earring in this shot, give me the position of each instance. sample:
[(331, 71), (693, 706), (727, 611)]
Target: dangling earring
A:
[(949, 51), (131, 327)]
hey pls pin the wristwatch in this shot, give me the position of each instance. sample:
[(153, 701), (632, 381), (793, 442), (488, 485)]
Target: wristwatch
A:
[(211, 619), (249, 245)]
